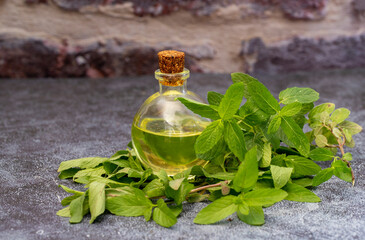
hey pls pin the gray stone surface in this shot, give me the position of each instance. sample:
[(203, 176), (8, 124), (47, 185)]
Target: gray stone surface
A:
[(46, 121)]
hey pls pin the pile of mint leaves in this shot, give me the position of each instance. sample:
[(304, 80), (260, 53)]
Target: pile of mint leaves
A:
[(258, 154)]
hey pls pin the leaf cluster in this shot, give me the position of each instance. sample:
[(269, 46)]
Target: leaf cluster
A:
[(258, 154)]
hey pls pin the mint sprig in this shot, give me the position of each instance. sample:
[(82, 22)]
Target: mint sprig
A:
[(258, 155)]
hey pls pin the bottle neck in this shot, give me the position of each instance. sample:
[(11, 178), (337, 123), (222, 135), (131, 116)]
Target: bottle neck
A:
[(176, 89), (172, 82)]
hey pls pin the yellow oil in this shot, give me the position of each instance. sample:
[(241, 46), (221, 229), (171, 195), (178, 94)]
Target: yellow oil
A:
[(171, 149)]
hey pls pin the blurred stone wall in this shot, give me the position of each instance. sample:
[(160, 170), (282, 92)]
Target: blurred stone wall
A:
[(108, 38)]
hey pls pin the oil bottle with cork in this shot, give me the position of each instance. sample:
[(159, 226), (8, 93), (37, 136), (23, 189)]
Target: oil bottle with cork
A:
[(164, 131)]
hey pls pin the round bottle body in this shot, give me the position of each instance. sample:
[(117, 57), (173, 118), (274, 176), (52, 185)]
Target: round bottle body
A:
[(164, 132)]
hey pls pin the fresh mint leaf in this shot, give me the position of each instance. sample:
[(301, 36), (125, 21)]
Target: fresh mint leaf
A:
[(175, 184), (263, 98), (321, 141), (252, 114), (89, 162), (291, 109), (235, 139), (199, 108), (130, 205), (96, 199), (274, 124), (214, 98), (264, 196), (306, 107), (323, 176), (155, 188), (315, 113), (295, 135), (69, 190), (68, 173), (96, 172), (119, 154), (255, 216), (280, 175), (342, 171), (245, 79), (163, 215), (231, 101), (247, 173), (321, 154), (243, 208), (217, 210), (298, 193), (77, 209), (180, 194), (266, 155), (340, 115), (352, 127), (347, 156), (296, 94), (303, 166), (64, 212), (209, 137)]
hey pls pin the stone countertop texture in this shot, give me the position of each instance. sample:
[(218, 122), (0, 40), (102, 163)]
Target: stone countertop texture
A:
[(46, 121)]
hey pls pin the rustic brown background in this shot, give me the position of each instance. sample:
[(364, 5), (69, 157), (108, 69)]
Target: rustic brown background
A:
[(108, 38)]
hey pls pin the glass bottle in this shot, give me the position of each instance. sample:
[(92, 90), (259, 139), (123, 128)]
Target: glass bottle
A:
[(164, 131)]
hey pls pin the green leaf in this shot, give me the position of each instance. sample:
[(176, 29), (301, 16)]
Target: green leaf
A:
[(263, 98), (119, 154), (214, 98), (295, 135), (321, 154), (64, 212), (340, 115), (323, 176), (217, 210), (243, 208), (315, 113), (209, 137), (280, 175), (252, 114), (266, 155), (235, 139), (175, 184), (69, 190), (247, 173), (300, 194), (347, 156), (264, 196), (89, 162), (304, 182), (96, 199), (155, 188), (180, 194), (231, 101), (77, 209), (291, 109), (296, 94), (342, 171), (255, 216), (274, 124), (96, 172), (352, 127), (303, 166), (69, 173), (321, 141), (199, 108), (130, 205), (163, 215), (245, 79)]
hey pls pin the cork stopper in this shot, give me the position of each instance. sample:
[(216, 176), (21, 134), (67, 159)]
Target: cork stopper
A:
[(171, 72), (171, 61)]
